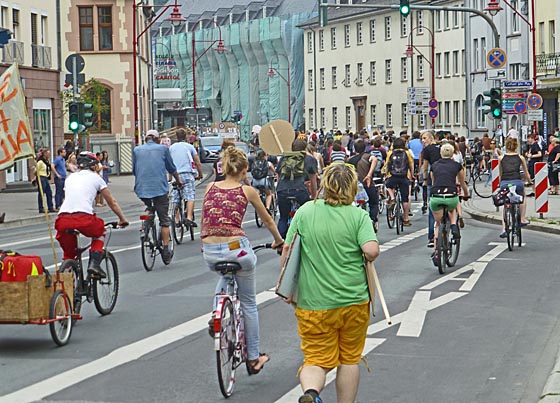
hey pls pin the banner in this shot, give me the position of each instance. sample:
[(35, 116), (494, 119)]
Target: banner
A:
[(16, 140)]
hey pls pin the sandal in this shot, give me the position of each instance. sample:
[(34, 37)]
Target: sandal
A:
[(552, 192), (252, 364)]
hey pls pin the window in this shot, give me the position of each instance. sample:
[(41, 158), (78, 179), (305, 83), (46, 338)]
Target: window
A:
[(15, 23), (4, 16), (101, 118), (360, 74), (347, 35), (335, 118), (440, 112), (447, 112), (372, 30), (551, 37), (455, 62), (456, 113), (404, 115), (389, 115), (86, 28), (348, 118), (476, 56), (373, 115), (372, 74), (455, 19), (514, 69), (404, 69), (388, 77), (422, 121), (541, 36), (480, 121), (321, 40), (359, 34), (34, 33), (438, 20), (309, 42), (446, 66), (310, 80), (41, 128), (321, 78), (347, 75), (420, 64), (514, 17), (43, 29), (105, 23), (333, 38), (438, 64), (483, 52), (311, 118), (322, 117), (445, 19), (463, 62), (464, 112), (333, 73), (420, 22), (387, 28), (404, 26)]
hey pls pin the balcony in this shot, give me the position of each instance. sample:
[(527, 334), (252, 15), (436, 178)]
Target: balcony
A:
[(548, 64), (13, 52), (41, 56)]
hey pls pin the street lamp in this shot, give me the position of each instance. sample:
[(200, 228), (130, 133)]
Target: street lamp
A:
[(176, 19), (410, 48), (493, 7), (220, 49), (276, 70)]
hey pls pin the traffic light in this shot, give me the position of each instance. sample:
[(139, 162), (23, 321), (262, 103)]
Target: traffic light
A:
[(404, 7), (323, 15), (73, 116), (236, 117), (86, 115), (494, 101)]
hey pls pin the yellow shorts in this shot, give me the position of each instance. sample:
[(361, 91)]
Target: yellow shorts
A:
[(333, 337)]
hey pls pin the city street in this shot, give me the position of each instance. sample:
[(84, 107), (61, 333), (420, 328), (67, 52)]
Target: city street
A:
[(485, 332)]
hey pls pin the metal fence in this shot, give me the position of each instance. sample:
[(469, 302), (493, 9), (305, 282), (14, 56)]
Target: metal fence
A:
[(549, 64), (119, 149)]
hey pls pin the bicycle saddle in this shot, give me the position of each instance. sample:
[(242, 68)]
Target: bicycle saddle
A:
[(293, 198), (227, 267)]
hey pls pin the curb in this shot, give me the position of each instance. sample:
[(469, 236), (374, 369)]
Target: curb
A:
[(497, 219)]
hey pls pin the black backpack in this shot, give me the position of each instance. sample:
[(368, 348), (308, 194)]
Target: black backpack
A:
[(260, 169), (398, 164)]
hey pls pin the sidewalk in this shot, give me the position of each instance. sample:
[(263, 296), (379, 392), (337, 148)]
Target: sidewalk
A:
[(22, 209)]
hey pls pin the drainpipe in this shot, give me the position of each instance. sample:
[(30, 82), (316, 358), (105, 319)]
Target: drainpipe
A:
[(315, 112)]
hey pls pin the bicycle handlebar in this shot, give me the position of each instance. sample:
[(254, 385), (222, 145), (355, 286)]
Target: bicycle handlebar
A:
[(115, 225)]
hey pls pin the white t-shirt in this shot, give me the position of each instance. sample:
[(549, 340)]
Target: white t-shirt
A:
[(183, 156), (80, 190)]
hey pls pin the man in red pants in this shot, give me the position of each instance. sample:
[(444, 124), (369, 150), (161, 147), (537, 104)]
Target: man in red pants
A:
[(76, 212)]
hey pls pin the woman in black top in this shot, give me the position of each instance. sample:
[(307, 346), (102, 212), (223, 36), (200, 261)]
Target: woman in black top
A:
[(510, 166), (553, 157)]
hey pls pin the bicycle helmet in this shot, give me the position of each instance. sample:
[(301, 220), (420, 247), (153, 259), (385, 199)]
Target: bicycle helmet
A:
[(87, 159)]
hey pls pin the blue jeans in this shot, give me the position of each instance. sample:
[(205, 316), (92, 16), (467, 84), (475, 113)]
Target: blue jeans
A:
[(285, 205), (48, 194), (431, 220), (246, 282), (59, 191)]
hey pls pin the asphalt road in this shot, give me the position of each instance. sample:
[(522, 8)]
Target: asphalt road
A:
[(485, 332)]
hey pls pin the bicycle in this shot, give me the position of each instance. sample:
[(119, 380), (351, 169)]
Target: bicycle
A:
[(482, 180), (150, 240), (395, 213), (273, 204), (102, 291), (294, 206), (382, 191), (512, 220), (447, 246), (229, 327), (178, 218)]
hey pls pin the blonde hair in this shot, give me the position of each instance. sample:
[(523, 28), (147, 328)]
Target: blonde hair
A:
[(234, 161), (511, 144), (339, 184), (447, 150)]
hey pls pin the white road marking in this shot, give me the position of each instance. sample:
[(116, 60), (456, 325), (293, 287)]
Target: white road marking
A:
[(414, 317)]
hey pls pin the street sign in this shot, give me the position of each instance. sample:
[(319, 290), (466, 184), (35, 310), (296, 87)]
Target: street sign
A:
[(518, 84), (496, 58), (433, 103), (535, 115), (69, 63), (534, 101), (433, 113), (520, 107), (514, 95), (418, 99), (496, 74)]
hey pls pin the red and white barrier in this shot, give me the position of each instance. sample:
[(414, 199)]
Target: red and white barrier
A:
[(495, 174), (541, 187)]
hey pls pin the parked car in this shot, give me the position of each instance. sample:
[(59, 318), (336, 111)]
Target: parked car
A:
[(209, 147)]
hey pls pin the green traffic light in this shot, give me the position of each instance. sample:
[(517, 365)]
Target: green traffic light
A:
[(496, 113), (405, 10), (73, 126)]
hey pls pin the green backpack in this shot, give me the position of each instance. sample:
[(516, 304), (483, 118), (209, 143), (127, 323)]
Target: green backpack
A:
[(292, 165)]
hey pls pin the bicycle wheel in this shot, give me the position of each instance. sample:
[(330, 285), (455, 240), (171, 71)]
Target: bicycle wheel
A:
[(258, 220), (177, 227), (482, 185), (401, 215), (70, 265), (518, 221), (60, 310), (191, 228), (390, 213), (381, 203), (508, 216), (225, 354), (106, 290), (440, 249), (453, 251), (397, 213), (148, 246)]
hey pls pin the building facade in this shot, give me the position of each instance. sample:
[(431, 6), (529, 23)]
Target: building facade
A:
[(34, 47), (358, 69)]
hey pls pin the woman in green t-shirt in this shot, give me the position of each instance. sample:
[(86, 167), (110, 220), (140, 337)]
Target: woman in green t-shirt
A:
[(332, 308)]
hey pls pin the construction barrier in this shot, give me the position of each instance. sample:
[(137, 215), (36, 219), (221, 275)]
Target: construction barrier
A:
[(495, 174), (541, 187)]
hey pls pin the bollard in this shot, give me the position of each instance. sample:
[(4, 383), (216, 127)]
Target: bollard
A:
[(541, 188), (495, 164)]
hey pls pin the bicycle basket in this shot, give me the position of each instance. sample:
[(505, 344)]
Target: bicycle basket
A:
[(500, 197)]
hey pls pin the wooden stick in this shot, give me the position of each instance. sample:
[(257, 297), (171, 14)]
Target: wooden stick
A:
[(276, 139), (380, 292)]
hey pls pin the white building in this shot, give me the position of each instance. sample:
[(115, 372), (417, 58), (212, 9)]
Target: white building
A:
[(357, 72)]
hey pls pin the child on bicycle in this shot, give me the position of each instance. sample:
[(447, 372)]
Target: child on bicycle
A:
[(76, 212), (263, 173), (223, 239)]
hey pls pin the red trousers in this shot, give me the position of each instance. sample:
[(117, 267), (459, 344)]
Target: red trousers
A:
[(88, 224)]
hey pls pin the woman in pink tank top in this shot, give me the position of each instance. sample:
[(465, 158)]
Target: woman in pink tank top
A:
[(223, 239)]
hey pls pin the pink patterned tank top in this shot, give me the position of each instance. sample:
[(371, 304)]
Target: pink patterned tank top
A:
[(223, 212)]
